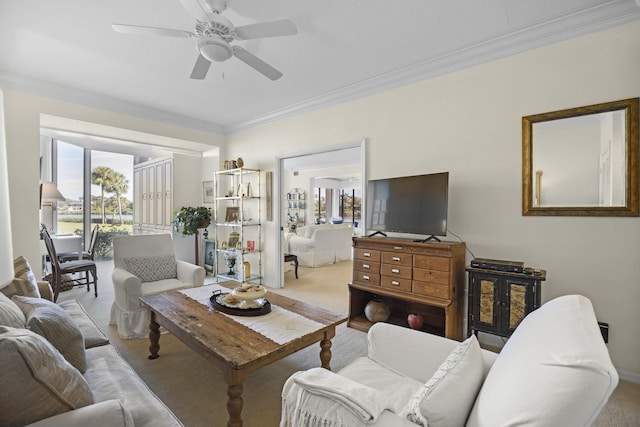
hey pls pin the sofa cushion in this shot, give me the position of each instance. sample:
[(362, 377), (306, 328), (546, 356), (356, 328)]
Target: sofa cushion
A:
[(53, 323), (36, 382), (446, 399), (151, 269), (10, 313), (111, 377), (22, 270), (20, 286), (92, 334), (558, 351), (109, 413), (398, 388)]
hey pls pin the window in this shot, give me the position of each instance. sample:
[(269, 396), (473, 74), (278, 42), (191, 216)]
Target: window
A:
[(102, 177)]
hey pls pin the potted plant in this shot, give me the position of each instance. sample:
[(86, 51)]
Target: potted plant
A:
[(189, 219)]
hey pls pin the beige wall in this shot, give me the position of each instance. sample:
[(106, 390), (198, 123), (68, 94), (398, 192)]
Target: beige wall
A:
[(22, 122), (469, 123)]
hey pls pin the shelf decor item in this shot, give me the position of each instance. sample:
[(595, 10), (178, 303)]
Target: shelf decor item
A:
[(377, 310)]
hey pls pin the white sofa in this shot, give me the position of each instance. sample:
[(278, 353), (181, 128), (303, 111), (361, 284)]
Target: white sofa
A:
[(41, 345), (145, 264), (553, 371), (322, 244)]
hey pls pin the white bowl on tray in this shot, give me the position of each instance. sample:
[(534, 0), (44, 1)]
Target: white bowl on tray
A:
[(249, 295)]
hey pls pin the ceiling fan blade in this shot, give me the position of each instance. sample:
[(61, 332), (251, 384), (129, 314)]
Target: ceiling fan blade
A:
[(195, 9), (283, 27), (256, 63), (138, 29), (201, 68)]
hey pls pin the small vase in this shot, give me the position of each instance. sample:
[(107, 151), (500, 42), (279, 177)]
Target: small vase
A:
[(377, 310), (415, 321)]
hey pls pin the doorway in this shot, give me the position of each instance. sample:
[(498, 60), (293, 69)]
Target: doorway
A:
[(297, 176)]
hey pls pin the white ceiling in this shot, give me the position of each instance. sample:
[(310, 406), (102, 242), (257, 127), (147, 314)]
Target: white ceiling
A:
[(344, 49)]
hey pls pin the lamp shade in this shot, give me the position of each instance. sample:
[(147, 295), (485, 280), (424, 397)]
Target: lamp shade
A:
[(50, 193), (6, 251)]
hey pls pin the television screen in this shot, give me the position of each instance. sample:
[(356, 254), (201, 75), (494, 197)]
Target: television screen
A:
[(411, 204)]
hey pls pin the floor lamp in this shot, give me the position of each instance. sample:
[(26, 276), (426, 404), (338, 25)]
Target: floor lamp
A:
[(6, 250), (50, 196)]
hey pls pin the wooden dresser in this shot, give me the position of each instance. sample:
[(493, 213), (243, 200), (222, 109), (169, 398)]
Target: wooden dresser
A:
[(410, 277)]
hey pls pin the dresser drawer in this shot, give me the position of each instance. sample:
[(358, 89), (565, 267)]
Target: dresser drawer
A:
[(431, 289), (366, 266), (367, 278), (366, 254), (397, 258), (431, 276), (401, 271), (431, 262), (396, 283)]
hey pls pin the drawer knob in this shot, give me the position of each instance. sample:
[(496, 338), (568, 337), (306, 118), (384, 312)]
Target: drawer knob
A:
[(395, 270), (365, 266), (395, 258), (365, 277), (393, 282), (367, 254)]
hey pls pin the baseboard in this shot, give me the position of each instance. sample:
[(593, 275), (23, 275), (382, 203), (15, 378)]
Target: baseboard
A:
[(633, 377)]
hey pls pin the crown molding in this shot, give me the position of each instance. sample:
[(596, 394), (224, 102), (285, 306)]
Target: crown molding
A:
[(600, 17), (91, 99)]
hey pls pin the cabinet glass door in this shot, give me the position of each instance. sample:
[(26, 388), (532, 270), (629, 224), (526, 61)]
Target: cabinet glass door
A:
[(485, 306)]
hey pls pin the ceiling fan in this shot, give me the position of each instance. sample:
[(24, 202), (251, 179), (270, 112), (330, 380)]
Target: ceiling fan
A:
[(214, 33)]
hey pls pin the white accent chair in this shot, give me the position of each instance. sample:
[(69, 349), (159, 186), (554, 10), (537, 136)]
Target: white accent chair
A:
[(145, 265), (554, 370)]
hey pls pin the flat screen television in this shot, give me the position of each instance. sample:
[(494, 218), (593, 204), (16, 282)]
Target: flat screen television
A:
[(410, 204)]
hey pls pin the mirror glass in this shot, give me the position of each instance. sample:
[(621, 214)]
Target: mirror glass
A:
[(582, 161)]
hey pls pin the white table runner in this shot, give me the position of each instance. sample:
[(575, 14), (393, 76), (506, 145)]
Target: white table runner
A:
[(281, 325)]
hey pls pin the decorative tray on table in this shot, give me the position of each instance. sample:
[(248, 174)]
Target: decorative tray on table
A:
[(245, 300)]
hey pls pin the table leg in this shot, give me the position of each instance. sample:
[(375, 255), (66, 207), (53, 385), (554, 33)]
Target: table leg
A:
[(234, 381), (325, 352), (295, 260), (154, 337)]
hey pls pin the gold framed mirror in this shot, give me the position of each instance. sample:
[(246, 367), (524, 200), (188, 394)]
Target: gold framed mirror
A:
[(581, 161)]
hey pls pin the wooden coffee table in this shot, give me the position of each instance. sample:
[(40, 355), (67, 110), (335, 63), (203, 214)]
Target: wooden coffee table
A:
[(234, 348)]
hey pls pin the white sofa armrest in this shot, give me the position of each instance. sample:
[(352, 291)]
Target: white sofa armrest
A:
[(110, 413), (413, 353), (127, 289), (190, 273)]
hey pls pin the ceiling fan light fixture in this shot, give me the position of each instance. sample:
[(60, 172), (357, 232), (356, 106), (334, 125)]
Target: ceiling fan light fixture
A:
[(215, 50)]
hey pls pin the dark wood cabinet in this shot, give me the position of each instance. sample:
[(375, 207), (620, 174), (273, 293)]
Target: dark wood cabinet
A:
[(498, 300), (410, 277)]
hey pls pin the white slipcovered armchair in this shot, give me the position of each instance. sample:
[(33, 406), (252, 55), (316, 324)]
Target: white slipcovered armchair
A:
[(145, 265), (555, 370)]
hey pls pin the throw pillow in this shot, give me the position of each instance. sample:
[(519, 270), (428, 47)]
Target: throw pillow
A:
[(22, 270), (150, 269), (447, 398), (21, 287), (56, 326), (10, 313), (36, 382)]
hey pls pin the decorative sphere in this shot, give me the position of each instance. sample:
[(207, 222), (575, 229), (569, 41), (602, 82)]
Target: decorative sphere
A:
[(377, 311), (240, 162)]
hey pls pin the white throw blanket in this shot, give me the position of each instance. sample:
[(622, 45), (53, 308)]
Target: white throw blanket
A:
[(318, 397)]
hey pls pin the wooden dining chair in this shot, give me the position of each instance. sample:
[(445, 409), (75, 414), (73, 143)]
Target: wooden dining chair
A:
[(87, 255), (88, 267)]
